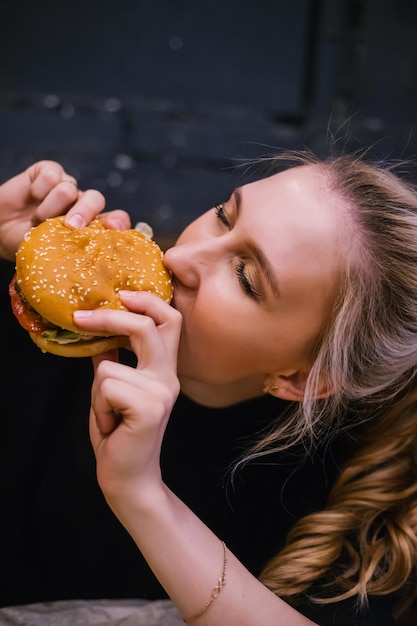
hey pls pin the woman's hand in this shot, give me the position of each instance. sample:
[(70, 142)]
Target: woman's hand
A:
[(46, 190), (131, 406)]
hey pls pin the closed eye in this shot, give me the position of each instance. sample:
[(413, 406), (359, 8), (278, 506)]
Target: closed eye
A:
[(247, 285), (221, 214), (241, 270)]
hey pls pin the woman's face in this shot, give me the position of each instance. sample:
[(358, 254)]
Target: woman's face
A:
[(255, 279)]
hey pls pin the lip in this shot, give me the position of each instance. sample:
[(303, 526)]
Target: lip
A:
[(178, 297), (174, 291)]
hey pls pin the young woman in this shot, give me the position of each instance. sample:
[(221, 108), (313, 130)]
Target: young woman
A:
[(302, 287)]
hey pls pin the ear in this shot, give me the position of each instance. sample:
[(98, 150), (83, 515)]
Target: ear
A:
[(292, 387)]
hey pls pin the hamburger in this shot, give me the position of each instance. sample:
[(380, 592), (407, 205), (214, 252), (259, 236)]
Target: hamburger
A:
[(60, 270)]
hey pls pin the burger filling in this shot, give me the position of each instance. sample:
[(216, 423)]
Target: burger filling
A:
[(31, 321), (60, 335)]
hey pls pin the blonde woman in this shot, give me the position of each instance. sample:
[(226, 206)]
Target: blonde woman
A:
[(302, 285), (290, 351)]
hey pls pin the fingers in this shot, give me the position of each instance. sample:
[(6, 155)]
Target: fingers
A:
[(153, 335), (143, 335), (138, 398), (52, 188), (57, 193), (167, 320), (117, 219), (112, 355), (57, 201), (109, 400), (85, 206), (105, 419), (45, 175), (148, 303), (95, 435), (88, 207), (144, 302), (89, 204)]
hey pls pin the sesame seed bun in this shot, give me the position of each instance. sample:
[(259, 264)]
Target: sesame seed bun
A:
[(60, 270)]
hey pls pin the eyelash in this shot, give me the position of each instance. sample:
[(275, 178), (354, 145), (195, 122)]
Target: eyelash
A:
[(220, 214), (240, 269)]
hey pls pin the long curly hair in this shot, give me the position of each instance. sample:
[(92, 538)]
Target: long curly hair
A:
[(365, 540)]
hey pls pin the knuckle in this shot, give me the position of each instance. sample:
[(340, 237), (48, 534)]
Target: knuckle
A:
[(147, 324), (51, 173), (104, 370), (176, 387), (176, 316), (66, 193), (94, 198), (166, 397), (106, 386)]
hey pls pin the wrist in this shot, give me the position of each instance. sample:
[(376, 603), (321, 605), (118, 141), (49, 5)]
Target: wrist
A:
[(136, 498)]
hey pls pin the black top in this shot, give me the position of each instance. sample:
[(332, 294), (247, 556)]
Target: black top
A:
[(58, 538)]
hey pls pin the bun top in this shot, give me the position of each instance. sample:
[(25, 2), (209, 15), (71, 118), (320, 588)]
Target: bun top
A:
[(60, 270)]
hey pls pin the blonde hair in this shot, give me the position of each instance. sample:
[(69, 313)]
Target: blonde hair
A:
[(365, 540), (366, 537)]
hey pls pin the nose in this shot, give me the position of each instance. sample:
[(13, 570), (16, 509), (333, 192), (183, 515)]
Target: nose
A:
[(179, 261), (188, 262)]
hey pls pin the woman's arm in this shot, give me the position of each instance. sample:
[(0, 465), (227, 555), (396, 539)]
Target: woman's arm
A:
[(188, 560), (130, 410)]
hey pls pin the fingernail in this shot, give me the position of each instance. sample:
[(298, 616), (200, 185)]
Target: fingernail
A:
[(127, 294), (82, 314), (75, 220), (117, 224)]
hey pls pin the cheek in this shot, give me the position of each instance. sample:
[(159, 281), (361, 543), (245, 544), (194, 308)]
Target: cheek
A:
[(218, 340), (206, 333), (203, 345), (207, 321), (222, 345)]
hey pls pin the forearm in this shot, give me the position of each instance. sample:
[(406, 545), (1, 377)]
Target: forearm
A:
[(188, 560)]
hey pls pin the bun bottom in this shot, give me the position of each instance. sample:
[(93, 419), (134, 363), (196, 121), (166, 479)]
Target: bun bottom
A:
[(80, 348)]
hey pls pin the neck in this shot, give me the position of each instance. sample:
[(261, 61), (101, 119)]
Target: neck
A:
[(218, 396)]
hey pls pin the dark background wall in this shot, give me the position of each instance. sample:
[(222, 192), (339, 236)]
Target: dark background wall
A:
[(155, 102)]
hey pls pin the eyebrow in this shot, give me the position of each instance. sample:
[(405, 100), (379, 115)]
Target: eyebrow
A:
[(264, 264)]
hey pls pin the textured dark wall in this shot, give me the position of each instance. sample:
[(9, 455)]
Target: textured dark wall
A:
[(155, 102)]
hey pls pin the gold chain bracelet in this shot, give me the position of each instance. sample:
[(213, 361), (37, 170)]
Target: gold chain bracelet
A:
[(217, 589)]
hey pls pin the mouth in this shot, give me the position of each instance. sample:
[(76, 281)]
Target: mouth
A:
[(174, 289), (179, 297)]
